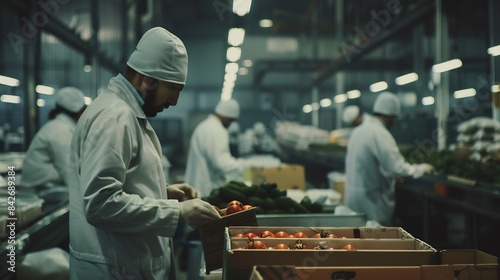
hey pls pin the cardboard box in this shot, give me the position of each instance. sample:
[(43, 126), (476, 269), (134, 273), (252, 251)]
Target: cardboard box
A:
[(477, 265), (238, 263), (212, 236), (286, 176)]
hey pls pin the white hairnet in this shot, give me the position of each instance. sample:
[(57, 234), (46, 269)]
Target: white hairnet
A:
[(234, 127), (160, 55), (228, 109), (70, 99), (259, 128), (387, 104), (350, 114)]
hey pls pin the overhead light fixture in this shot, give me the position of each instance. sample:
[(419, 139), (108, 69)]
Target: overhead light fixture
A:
[(380, 86), (494, 51), (228, 84), (307, 108), (236, 36), (87, 68), (44, 90), (468, 92), (87, 100), (447, 65), (242, 7), (225, 96), (315, 106), (233, 54), (8, 81), (230, 77), (428, 100), (265, 23), (243, 71), (247, 63), (495, 88), (406, 79), (232, 67), (7, 98), (325, 102), (352, 94), (340, 98), (40, 102)]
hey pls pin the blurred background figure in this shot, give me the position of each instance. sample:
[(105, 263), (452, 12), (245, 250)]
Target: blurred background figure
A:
[(47, 156), (235, 139), (258, 142)]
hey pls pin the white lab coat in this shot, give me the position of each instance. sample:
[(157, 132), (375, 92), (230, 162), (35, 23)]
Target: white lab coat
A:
[(373, 162), (210, 163), (120, 218), (47, 157)]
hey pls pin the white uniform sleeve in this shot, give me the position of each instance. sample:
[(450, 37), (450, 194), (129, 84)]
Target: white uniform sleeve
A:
[(391, 161), (105, 158), (220, 156)]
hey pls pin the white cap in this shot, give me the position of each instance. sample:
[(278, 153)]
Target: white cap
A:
[(234, 127), (228, 109), (350, 114), (387, 104), (160, 55), (259, 128), (70, 99)]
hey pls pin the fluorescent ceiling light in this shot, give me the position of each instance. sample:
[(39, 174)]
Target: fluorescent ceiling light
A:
[(236, 36), (380, 86), (428, 100), (233, 54), (307, 108), (228, 84), (242, 7), (225, 96), (232, 67), (229, 77), (44, 90), (87, 68), (447, 65), (265, 23), (87, 100), (243, 71), (8, 81), (406, 79), (315, 106), (7, 98), (340, 98), (247, 63), (494, 51), (325, 102), (468, 92), (40, 102), (495, 88), (352, 94)]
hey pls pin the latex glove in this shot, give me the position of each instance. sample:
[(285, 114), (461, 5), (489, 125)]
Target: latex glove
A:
[(182, 192), (196, 212), (421, 169)]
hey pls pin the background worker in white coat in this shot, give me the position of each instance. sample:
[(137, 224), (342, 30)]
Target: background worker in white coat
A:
[(46, 160), (373, 162), (209, 163), (122, 214)]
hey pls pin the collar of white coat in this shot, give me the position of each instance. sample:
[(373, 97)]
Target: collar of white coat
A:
[(377, 121), (65, 118), (124, 90), (134, 91)]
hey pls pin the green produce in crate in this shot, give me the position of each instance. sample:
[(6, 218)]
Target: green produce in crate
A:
[(229, 194)]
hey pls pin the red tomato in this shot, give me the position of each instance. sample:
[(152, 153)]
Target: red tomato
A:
[(266, 234), (235, 202), (330, 235), (246, 207), (348, 247), (300, 234), (251, 235), (281, 247), (255, 245), (281, 234), (238, 235), (317, 235), (232, 209)]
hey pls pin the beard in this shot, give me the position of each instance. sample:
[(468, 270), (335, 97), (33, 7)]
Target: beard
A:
[(148, 109)]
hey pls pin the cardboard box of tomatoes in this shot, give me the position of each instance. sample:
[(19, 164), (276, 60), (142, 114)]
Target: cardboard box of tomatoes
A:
[(212, 234), (246, 247), (464, 264)]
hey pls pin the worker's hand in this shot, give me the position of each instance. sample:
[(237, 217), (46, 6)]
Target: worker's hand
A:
[(182, 192), (196, 212), (421, 169)]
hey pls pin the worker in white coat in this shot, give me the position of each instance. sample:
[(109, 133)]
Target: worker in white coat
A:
[(46, 160), (234, 139), (373, 162), (122, 213), (210, 163)]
